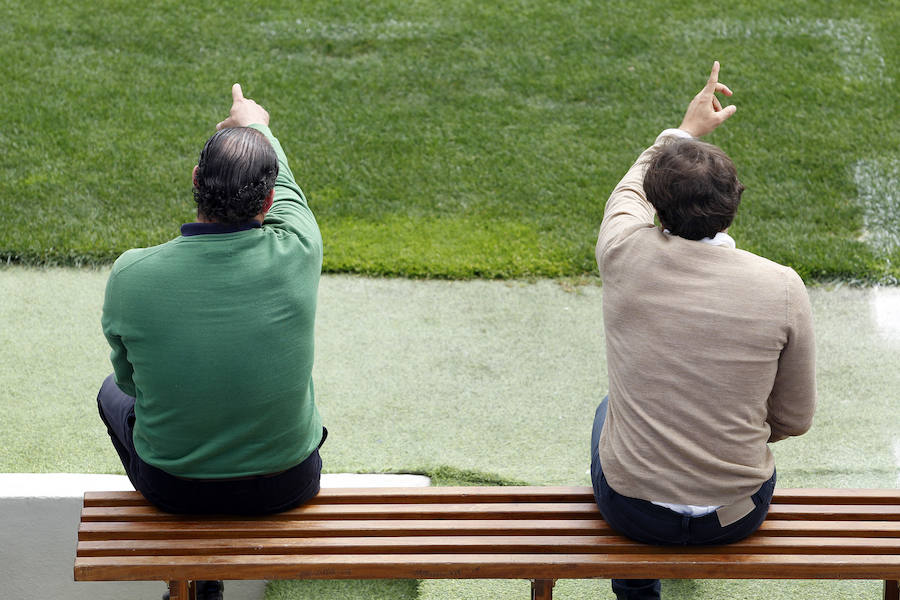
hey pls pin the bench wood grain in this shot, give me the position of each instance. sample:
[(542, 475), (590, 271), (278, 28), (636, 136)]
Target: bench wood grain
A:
[(537, 533)]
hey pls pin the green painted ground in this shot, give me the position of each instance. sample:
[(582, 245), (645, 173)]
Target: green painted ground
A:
[(450, 139), (495, 377)]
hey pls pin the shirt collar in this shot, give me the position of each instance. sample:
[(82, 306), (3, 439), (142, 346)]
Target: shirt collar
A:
[(720, 239), (189, 229)]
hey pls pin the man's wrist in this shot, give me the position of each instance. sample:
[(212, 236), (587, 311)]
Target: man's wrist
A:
[(678, 132), (673, 132)]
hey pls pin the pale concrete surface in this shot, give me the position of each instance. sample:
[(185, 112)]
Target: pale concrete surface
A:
[(39, 516)]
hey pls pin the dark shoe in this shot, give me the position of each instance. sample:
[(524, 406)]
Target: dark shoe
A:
[(206, 590), (636, 589), (210, 590)]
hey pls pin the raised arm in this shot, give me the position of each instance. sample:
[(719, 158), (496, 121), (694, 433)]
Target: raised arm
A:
[(627, 208), (290, 209)]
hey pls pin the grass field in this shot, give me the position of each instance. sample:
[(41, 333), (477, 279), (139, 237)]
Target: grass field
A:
[(450, 139)]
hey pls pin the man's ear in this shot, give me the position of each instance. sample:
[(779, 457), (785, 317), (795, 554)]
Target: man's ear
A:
[(269, 200), (194, 174)]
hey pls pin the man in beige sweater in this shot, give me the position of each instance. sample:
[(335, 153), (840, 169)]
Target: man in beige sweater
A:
[(710, 350)]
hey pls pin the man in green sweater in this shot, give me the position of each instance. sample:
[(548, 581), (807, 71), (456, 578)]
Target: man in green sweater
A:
[(211, 405)]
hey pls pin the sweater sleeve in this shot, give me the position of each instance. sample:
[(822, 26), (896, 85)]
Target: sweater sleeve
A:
[(118, 355), (792, 400), (627, 206), (290, 210)]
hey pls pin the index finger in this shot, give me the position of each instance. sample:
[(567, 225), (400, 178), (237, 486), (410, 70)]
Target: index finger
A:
[(713, 77), (236, 92)]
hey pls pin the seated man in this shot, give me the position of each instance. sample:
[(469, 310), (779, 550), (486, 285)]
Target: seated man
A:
[(211, 405), (710, 351)]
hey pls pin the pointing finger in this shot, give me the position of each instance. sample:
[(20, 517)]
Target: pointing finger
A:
[(713, 77), (236, 92)]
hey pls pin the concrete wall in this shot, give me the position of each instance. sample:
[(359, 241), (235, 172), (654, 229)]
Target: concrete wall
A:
[(39, 517)]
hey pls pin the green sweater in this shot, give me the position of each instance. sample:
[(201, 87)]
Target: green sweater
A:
[(212, 333)]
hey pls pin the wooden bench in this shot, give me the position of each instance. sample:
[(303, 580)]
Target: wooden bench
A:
[(537, 533)]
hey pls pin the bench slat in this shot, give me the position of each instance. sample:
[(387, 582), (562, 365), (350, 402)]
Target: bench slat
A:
[(518, 494), (489, 566), (249, 529), (212, 529), (525, 510), (495, 544), (403, 495)]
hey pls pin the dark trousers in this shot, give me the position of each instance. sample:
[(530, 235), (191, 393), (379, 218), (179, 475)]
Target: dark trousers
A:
[(646, 522), (262, 494)]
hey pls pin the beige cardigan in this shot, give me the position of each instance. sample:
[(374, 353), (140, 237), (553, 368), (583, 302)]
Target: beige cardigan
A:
[(710, 352)]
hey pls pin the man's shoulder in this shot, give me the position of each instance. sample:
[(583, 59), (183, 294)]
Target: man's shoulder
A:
[(765, 266), (131, 260)]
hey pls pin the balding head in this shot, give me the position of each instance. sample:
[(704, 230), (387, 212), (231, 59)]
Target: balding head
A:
[(235, 173)]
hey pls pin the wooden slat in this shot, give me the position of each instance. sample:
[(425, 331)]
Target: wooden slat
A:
[(249, 529), (487, 566), (836, 496), (835, 512), (402, 495), (496, 510), (532, 510), (518, 494), (832, 528), (492, 544)]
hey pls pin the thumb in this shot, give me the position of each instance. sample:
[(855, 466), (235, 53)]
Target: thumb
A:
[(727, 111), (236, 92)]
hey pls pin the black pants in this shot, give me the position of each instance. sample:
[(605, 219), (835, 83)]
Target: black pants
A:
[(646, 522), (262, 494)]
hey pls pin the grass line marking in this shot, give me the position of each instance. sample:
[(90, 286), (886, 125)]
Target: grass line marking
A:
[(877, 182), (856, 48)]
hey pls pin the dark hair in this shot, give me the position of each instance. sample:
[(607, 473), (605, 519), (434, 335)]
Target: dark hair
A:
[(694, 188), (235, 173)]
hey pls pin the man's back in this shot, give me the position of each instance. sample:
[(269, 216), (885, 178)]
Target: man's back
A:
[(708, 347), (212, 333)]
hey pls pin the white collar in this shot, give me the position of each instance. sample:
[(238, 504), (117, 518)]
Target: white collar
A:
[(720, 239)]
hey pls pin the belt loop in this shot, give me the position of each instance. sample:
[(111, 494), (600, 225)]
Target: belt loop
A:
[(685, 530)]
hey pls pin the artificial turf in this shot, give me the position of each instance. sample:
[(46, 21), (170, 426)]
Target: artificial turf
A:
[(449, 139), (470, 382)]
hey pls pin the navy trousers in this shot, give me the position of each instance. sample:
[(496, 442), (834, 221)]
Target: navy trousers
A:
[(646, 522), (261, 494)]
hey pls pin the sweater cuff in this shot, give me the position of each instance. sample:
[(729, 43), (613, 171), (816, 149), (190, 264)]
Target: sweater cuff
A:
[(673, 132)]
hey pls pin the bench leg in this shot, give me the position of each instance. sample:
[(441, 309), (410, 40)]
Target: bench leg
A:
[(542, 589), (182, 590), (892, 589)]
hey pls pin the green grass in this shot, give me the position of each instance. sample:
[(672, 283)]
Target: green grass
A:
[(444, 139)]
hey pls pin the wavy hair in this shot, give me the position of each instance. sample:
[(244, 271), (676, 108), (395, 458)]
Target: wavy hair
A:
[(694, 188), (235, 173)]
